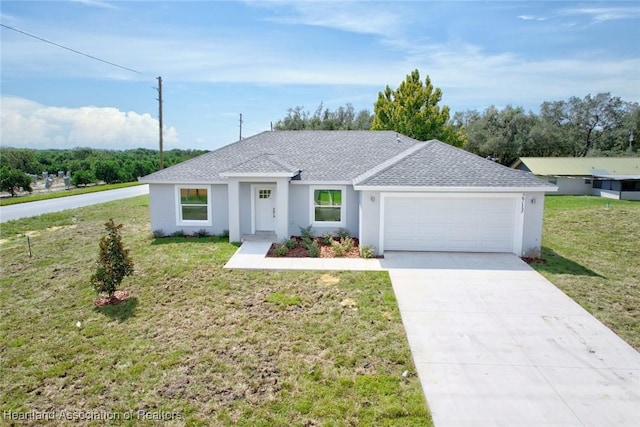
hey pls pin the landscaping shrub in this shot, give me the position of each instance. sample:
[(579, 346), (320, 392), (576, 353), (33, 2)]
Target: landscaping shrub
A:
[(113, 263), (314, 250), (366, 251), (281, 249), (159, 233), (343, 233), (327, 238), (178, 233), (290, 243), (340, 248), (202, 233), (306, 233)]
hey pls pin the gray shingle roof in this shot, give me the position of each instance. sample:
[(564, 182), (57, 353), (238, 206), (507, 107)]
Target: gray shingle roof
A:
[(370, 158), (438, 164), (265, 164)]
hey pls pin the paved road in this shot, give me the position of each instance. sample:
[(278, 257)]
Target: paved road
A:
[(25, 210)]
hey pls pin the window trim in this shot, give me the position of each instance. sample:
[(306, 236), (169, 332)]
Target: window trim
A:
[(187, 222), (312, 206)]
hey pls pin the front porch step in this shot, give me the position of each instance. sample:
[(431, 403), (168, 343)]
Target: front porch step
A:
[(260, 236)]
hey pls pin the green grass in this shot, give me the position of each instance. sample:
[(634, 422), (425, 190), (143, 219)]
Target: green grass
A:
[(218, 347), (592, 253), (63, 193)]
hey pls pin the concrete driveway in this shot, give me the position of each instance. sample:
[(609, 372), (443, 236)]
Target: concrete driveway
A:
[(495, 343)]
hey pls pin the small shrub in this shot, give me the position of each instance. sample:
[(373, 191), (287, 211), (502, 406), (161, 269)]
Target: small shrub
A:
[(327, 238), (290, 243), (178, 233), (306, 232), (343, 233), (202, 233), (159, 233), (340, 248), (281, 249), (314, 250), (366, 251), (113, 263), (225, 233)]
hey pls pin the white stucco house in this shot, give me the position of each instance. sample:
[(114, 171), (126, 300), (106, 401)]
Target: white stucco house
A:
[(390, 191)]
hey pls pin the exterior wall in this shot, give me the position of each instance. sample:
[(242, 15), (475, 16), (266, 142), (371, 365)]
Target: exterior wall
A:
[(162, 207), (298, 208), (532, 226), (574, 185), (370, 219), (245, 208), (630, 195), (299, 211)]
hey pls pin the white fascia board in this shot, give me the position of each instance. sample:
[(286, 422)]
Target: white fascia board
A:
[(294, 182), (544, 189)]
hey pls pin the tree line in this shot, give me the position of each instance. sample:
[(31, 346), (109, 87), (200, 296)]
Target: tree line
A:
[(600, 125), (85, 165)]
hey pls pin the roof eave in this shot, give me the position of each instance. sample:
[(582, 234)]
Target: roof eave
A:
[(180, 181), (436, 189)]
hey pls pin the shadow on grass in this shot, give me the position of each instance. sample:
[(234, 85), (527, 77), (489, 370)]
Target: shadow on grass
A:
[(121, 311), (555, 263)]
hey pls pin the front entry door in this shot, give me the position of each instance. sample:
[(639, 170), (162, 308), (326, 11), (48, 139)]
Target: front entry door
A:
[(265, 205)]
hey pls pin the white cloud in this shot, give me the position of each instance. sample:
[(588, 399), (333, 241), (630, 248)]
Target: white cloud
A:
[(26, 123), (603, 14)]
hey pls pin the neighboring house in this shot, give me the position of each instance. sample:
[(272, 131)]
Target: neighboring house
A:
[(612, 177), (390, 191)]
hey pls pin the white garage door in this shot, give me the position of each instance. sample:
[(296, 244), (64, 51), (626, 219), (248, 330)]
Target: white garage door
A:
[(464, 224)]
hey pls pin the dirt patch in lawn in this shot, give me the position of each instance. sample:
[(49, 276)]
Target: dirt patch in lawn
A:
[(117, 298)]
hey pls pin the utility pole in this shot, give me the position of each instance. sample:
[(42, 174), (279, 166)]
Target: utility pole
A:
[(160, 120), (239, 139)]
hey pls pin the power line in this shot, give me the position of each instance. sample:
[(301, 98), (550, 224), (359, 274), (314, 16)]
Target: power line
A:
[(68, 48)]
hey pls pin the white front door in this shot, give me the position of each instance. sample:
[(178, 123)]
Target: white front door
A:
[(265, 207)]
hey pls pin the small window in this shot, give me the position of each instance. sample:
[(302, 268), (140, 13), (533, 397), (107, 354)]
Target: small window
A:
[(264, 194), (587, 181), (194, 205), (327, 206)]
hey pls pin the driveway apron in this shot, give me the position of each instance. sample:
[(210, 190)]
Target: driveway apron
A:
[(495, 343)]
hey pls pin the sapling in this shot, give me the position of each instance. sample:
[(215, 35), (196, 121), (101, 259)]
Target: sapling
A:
[(113, 263)]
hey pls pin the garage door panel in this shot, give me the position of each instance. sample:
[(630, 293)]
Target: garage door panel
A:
[(474, 224)]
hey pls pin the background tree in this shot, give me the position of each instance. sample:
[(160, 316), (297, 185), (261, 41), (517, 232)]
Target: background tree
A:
[(585, 124), (344, 118), (500, 134), (114, 262), (82, 177), (412, 109), (12, 180)]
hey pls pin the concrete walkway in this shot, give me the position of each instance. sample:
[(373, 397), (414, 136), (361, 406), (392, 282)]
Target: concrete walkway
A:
[(494, 342)]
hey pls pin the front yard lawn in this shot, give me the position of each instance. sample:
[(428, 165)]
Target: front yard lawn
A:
[(194, 344), (591, 247)]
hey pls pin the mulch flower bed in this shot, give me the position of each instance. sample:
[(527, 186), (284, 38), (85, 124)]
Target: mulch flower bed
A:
[(117, 298), (326, 250)]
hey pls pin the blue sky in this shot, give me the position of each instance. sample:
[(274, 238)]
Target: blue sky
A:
[(221, 58)]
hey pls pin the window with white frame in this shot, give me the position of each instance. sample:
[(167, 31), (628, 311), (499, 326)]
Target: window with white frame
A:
[(193, 205), (327, 206)]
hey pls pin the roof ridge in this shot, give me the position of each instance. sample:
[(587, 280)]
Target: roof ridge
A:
[(381, 167)]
